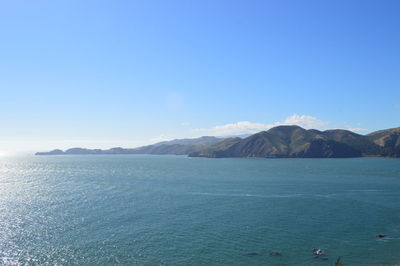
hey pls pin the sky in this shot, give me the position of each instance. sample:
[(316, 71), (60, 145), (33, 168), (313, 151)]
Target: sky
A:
[(101, 74)]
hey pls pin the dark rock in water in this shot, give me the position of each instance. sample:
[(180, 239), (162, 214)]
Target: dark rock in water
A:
[(381, 236), (252, 254), (275, 254)]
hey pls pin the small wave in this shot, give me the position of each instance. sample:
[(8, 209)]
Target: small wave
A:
[(346, 193), (386, 239), (365, 190), (330, 195), (247, 195)]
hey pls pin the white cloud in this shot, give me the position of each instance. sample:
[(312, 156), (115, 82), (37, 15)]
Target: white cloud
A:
[(246, 127), (243, 127), (305, 121), (160, 138), (357, 129)]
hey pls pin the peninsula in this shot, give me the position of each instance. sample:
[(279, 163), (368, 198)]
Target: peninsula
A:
[(277, 142)]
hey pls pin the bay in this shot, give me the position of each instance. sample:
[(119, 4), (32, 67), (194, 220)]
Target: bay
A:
[(175, 210)]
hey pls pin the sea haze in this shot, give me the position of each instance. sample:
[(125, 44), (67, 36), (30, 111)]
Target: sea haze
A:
[(176, 210)]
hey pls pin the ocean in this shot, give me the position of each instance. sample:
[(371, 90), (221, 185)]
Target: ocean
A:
[(175, 210)]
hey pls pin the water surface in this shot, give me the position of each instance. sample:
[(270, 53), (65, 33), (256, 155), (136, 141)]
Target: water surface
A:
[(174, 210)]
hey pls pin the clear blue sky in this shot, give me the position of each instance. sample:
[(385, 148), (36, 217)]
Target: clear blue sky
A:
[(127, 73)]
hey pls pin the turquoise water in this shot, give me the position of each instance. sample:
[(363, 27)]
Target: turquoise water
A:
[(174, 210)]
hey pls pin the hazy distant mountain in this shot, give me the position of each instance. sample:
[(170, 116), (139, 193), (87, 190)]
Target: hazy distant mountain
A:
[(177, 147), (277, 142), (205, 140)]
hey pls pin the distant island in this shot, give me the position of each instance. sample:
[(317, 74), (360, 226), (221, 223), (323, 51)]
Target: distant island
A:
[(277, 142)]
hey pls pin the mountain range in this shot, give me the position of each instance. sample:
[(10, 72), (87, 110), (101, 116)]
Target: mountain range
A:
[(277, 142)]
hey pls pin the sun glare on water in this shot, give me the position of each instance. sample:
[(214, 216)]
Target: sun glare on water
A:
[(2, 154)]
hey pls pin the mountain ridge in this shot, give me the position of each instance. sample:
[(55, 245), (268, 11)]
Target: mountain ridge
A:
[(289, 141)]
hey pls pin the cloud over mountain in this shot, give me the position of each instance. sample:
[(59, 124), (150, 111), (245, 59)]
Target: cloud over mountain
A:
[(246, 127)]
